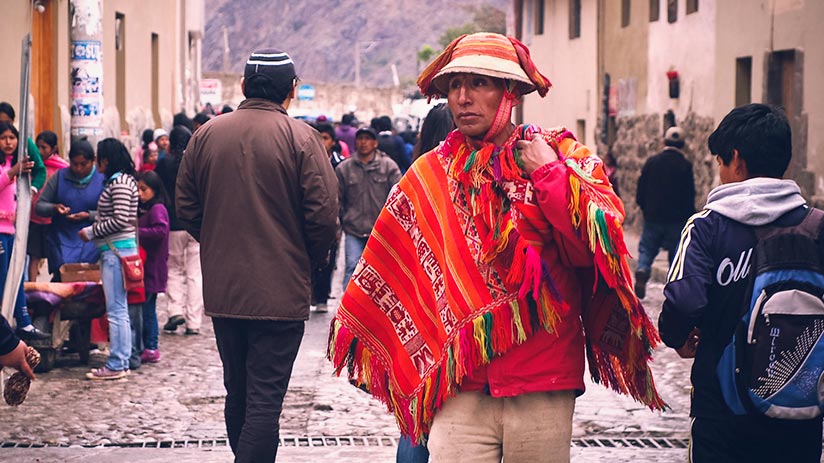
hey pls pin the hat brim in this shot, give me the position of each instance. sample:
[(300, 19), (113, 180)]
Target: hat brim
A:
[(482, 65)]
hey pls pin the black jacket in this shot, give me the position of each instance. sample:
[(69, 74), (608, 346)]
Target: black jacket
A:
[(666, 190)]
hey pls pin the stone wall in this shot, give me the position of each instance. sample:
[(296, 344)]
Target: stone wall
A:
[(639, 137)]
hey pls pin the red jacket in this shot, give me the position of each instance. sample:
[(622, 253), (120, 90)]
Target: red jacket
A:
[(548, 362)]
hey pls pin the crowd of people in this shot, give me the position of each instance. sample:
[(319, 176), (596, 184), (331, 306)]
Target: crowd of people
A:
[(100, 204), (485, 263)]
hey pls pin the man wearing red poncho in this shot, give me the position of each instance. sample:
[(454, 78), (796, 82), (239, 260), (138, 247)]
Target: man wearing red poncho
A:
[(495, 267)]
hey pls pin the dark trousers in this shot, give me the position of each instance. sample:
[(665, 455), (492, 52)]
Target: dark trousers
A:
[(322, 278), (749, 439), (257, 357)]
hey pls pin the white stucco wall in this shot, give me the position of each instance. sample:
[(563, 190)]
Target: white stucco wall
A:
[(687, 46), (571, 66)]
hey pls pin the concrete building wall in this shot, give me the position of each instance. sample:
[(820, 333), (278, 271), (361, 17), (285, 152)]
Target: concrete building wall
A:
[(747, 28), (178, 70), (571, 66), (624, 52), (688, 47)]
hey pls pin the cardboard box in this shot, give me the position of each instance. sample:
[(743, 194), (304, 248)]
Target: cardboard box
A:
[(70, 273)]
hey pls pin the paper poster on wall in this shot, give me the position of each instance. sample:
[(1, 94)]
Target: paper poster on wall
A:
[(86, 83)]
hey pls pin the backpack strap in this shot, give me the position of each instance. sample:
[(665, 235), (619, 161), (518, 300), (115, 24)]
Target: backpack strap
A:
[(810, 227)]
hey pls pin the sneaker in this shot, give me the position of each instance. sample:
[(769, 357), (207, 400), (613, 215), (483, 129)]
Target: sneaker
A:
[(321, 308), (191, 332), (173, 322), (641, 278), (150, 356), (103, 373)]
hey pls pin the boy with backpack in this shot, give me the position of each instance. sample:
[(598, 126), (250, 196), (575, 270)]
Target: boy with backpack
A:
[(743, 297)]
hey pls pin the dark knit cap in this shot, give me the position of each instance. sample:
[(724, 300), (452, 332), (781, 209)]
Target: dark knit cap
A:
[(274, 65)]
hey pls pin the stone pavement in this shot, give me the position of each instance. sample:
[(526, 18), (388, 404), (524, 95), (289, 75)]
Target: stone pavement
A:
[(178, 402)]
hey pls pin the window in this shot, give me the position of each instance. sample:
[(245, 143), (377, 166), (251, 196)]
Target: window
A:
[(654, 10), (119, 19), (692, 6), (574, 19), (743, 81), (539, 17), (625, 5), (581, 131), (672, 11), (155, 79)]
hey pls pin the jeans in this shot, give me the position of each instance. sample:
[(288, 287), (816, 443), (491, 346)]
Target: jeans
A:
[(409, 452), (21, 313), (136, 322), (117, 310), (322, 278), (150, 329), (353, 248), (257, 357), (754, 439), (657, 235)]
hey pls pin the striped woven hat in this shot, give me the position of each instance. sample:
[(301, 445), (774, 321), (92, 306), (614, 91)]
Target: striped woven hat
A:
[(486, 54), (274, 65)]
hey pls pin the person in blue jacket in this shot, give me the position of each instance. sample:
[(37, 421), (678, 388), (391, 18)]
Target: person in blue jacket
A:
[(709, 278)]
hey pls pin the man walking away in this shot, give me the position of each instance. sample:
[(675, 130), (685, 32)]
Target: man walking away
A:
[(257, 190), (705, 293), (666, 196)]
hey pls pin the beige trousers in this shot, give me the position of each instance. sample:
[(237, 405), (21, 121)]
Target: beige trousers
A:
[(473, 427), (184, 291)]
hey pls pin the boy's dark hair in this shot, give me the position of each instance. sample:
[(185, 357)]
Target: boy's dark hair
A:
[(325, 127), (762, 136), (81, 147), (112, 150), (147, 137), (434, 129), (7, 109), (48, 137), (179, 139), (153, 181)]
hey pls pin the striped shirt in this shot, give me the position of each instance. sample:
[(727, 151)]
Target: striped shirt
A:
[(116, 211)]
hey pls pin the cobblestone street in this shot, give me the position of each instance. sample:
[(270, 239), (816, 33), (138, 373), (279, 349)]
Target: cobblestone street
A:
[(179, 403)]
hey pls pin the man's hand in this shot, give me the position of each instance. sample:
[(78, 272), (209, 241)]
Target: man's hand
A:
[(78, 216), (61, 209), (687, 351), (17, 359), (535, 153)]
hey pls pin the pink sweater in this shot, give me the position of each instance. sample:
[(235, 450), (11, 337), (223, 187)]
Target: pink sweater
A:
[(8, 202)]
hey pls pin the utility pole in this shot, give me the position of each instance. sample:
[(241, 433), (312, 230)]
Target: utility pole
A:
[(86, 85), (225, 49)]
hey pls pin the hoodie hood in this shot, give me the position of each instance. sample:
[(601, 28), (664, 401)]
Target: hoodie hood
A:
[(757, 201)]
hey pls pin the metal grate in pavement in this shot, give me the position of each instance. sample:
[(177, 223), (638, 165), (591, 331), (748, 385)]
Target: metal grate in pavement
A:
[(365, 441)]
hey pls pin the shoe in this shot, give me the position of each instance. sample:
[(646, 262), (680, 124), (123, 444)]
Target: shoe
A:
[(321, 308), (32, 335), (173, 322), (150, 356), (641, 278), (191, 332), (103, 373)]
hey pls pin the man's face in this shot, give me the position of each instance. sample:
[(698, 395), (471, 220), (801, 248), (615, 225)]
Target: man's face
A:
[(80, 166), (163, 143), (474, 100), (365, 144)]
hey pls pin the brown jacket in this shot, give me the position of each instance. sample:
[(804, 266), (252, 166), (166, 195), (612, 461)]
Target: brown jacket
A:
[(256, 189)]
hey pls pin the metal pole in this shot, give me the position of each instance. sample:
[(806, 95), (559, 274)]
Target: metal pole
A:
[(86, 34)]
